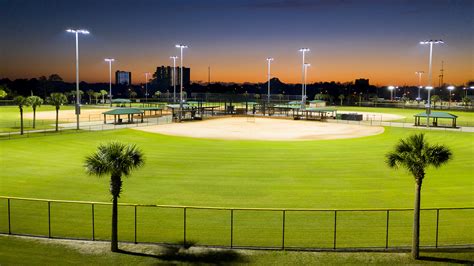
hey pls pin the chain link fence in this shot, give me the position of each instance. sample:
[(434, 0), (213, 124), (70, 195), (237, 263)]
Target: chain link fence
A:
[(299, 229)]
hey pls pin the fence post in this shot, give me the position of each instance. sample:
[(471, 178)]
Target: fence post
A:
[(437, 226), (9, 218), (283, 230), (231, 228), (184, 226), (386, 233), (49, 219), (335, 226), (135, 234), (93, 222)]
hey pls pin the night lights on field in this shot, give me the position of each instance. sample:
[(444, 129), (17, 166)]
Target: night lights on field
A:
[(303, 85), (78, 99), (269, 61), (110, 60), (174, 77)]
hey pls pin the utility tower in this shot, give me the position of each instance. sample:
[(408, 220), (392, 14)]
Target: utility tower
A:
[(208, 75), (441, 76)]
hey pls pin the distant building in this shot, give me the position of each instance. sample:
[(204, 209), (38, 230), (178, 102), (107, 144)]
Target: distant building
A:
[(123, 77), (362, 83), (164, 76)]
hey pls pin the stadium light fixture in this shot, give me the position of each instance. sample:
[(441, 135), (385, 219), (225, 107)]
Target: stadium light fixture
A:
[(450, 90), (110, 60), (174, 77), (78, 100), (391, 88), (181, 47), (419, 74), (303, 101), (306, 65), (146, 86), (269, 61)]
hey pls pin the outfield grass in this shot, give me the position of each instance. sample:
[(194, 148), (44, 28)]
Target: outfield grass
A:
[(27, 251), (10, 118), (341, 174), (464, 118)]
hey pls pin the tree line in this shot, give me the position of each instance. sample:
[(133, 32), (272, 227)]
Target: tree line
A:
[(331, 91)]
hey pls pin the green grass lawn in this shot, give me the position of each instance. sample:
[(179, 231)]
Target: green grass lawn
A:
[(10, 117), (342, 174), (464, 118), (27, 251)]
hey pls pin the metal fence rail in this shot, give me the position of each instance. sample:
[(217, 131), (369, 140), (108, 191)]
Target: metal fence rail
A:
[(267, 228)]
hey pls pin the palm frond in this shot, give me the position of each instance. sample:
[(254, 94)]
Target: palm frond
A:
[(438, 155), (415, 154)]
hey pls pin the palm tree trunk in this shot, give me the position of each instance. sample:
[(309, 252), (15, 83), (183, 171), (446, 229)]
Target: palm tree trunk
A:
[(57, 116), (21, 121), (34, 117), (115, 188), (415, 246), (114, 243)]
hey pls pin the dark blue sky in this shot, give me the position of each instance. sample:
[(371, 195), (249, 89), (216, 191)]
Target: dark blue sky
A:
[(348, 39)]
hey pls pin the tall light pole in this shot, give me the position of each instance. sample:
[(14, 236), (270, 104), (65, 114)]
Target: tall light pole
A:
[(306, 65), (181, 47), (110, 60), (174, 77), (430, 85), (78, 100), (428, 105), (303, 51), (146, 86), (269, 61), (431, 42), (450, 90), (391, 88), (419, 74)]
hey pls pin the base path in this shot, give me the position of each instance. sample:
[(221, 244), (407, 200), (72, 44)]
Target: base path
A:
[(241, 128)]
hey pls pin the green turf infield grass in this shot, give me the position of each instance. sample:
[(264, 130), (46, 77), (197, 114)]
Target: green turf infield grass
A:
[(27, 251), (342, 174)]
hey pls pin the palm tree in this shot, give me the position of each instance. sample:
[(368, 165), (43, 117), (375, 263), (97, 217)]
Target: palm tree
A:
[(435, 99), (103, 93), (415, 154), (20, 101), (56, 100), (96, 97), (34, 102), (90, 93), (466, 101), (114, 159), (3, 93), (341, 98)]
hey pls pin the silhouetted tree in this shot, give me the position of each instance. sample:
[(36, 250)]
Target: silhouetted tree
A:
[(20, 101), (34, 102), (435, 99), (341, 98), (115, 159), (466, 101), (3, 93), (103, 93), (96, 97), (91, 94), (56, 100), (415, 154)]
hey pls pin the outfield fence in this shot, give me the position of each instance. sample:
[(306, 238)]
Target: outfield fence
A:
[(260, 228), (85, 127)]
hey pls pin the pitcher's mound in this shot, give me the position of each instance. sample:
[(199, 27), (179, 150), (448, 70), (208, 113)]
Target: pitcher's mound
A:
[(242, 128)]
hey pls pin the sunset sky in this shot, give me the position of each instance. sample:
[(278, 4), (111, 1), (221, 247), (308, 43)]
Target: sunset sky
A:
[(348, 39)]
